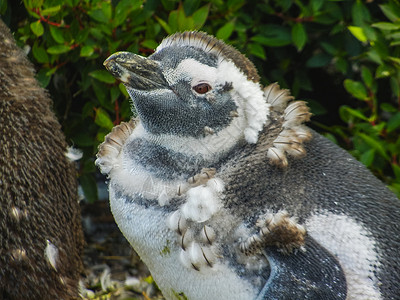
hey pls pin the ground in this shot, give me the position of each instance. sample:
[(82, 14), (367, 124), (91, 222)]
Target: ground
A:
[(113, 269)]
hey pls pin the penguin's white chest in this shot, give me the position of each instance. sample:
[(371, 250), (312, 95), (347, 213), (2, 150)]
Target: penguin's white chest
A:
[(145, 227), (355, 249)]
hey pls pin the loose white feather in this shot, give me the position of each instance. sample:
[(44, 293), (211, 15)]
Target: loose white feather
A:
[(51, 253)]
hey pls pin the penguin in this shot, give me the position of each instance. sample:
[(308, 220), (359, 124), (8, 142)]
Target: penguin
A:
[(41, 239), (225, 193)]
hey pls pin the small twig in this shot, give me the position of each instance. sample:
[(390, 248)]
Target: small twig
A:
[(117, 113), (47, 20)]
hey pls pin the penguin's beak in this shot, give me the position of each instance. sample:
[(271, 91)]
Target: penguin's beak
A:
[(135, 71)]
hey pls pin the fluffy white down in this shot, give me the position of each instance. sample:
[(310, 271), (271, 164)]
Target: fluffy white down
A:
[(353, 247), (203, 201), (73, 154), (252, 97)]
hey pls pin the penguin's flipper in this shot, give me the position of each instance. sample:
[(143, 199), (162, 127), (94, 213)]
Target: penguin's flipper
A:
[(310, 274)]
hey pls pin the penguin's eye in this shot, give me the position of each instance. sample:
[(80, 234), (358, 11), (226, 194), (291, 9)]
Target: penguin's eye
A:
[(202, 88)]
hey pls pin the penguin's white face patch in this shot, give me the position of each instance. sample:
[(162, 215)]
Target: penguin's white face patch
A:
[(191, 68), (354, 247), (249, 100)]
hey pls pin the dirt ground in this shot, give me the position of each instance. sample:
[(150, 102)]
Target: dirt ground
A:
[(113, 269)]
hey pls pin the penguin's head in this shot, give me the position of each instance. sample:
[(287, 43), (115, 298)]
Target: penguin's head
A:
[(193, 85)]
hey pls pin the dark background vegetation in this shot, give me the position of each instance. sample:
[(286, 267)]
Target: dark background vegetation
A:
[(340, 56)]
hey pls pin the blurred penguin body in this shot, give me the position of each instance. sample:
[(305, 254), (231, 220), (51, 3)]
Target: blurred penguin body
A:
[(41, 239)]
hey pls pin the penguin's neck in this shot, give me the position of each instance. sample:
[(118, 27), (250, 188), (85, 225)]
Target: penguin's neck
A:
[(197, 152), (157, 165), (162, 161)]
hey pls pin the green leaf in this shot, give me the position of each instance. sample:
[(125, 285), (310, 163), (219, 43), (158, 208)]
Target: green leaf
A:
[(383, 71), (103, 119), (164, 25), (394, 122), (330, 48), (395, 187), (57, 34), (316, 107), (149, 44), (257, 50), (316, 5), (101, 135), (181, 19), (319, 60), (360, 13), (102, 94), (346, 112), (299, 36), (395, 87), (173, 20), (122, 88), (72, 3), (106, 9), (89, 187), (51, 10), (82, 138), (273, 36), (37, 28), (342, 64), (51, 71), (39, 53), (374, 144), (82, 36), (386, 26), (375, 56), (103, 76), (114, 92), (124, 8), (86, 51), (184, 23), (225, 31), (356, 89), (370, 33), (391, 11), (43, 78), (200, 16), (3, 7), (396, 171), (169, 4), (367, 158), (388, 107), (394, 59), (367, 76), (98, 15), (58, 49), (190, 6), (331, 137), (358, 32)]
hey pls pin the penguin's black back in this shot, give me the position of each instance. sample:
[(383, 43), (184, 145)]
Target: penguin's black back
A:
[(327, 179)]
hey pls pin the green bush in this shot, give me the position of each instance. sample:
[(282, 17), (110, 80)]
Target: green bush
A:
[(340, 56)]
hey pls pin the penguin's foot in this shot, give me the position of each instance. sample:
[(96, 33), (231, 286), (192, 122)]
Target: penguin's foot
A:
[(277, 230)]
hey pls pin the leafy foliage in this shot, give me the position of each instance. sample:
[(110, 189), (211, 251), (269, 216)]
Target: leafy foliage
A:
[(341, 56)]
